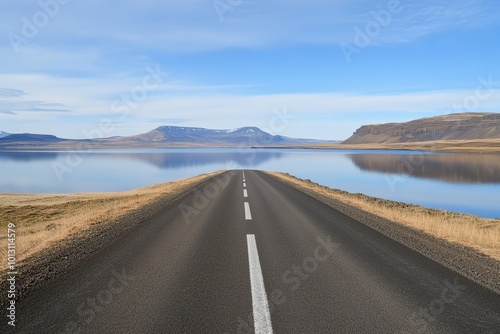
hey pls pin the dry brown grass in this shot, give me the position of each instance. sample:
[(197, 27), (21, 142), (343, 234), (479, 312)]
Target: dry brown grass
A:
[(481, 234), (42, 220), (469, 146)]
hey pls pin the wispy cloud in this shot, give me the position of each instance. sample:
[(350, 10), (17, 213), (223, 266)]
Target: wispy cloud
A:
[(14, 107), (194, 25), (7, 112), (422, 18), (8, 92), (14, 101)]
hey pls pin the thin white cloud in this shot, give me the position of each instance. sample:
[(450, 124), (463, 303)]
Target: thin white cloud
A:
[(440, 16), (417, 19), (8, 92), (13, 107)]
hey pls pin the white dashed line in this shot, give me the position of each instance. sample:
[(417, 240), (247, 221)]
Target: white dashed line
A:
[(244, 184), (245, 193), (261, 314), (248, 214)]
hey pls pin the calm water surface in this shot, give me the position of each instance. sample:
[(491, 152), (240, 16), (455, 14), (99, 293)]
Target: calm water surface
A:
[(459, 182)]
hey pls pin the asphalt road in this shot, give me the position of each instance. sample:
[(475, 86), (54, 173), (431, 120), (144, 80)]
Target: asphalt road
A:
[(247, 254)]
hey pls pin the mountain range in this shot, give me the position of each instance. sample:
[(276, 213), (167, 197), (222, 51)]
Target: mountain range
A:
[(162, 137), (460, 127)]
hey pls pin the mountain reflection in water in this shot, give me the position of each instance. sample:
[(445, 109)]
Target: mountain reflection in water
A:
[(457, 168), (457, 182)]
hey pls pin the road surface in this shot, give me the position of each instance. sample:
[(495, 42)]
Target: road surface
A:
[(245, 253)]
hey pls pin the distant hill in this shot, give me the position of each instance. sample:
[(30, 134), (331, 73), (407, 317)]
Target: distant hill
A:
[(249, 136), (29, 137), (464, 126), (163, 137)]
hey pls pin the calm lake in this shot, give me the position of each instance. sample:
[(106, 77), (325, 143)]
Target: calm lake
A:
[(467, 183)]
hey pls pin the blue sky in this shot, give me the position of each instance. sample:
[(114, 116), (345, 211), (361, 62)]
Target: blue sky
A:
[(90, 68)]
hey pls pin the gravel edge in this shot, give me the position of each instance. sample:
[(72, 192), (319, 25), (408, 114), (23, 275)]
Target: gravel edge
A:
[(44, 266), (463, 260)]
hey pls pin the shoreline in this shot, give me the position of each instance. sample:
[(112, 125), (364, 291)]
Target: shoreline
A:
[(479, 146)]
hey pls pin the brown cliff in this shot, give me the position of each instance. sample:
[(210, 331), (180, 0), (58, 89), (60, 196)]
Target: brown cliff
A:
[(464, 126)]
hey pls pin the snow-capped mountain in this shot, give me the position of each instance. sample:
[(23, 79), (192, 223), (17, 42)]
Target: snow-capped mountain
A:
[(248, 136)]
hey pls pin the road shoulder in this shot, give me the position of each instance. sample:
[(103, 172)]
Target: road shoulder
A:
[(464, 260), (52, 262)]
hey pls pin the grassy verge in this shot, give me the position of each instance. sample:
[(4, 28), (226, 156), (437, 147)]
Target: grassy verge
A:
[(481, 234), (42, 220)]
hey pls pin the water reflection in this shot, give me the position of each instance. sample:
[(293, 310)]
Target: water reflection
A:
[(28, 156), (457, 168), (472, 181), (165, 160), (183, 160)]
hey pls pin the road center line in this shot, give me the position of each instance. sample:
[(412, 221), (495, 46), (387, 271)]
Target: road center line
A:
[(248, 214), (261, 314), (245, 193)]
